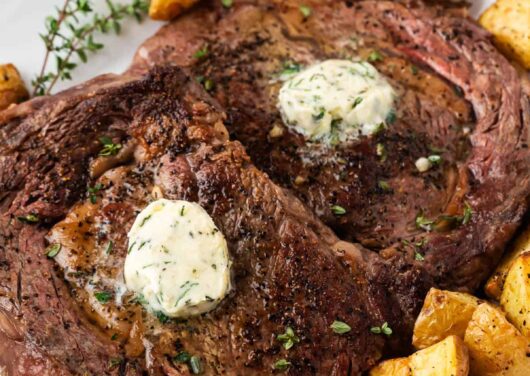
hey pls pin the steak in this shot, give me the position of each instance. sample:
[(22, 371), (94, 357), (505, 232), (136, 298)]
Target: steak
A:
[(458, 97), (289, 270)]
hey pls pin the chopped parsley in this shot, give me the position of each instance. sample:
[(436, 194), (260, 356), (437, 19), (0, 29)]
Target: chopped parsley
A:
[(53, 250), (375, 56), (289, 338), (109, 147), (208, 84), (114, 337), (114, 362), (92, 192), (468, 212), (418, 256), (305, 10), (381, 152), (162, 317), (414, 70), (356, 102), (29, 218), (290, 67), (110, 245), (383, 185), (338, 210), (423, 223), (201, 53), (383, 329), (227, 3), (282, 365), (434, 159), (145, 220), (340, 327), (182, 357), (103, 296)]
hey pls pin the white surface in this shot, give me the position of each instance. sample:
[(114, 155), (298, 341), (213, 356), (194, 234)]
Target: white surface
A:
[(22, 20)]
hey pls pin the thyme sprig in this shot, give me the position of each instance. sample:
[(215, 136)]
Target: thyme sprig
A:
[(67, 35)]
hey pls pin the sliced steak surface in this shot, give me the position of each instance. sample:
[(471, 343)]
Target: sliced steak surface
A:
[(289, 270), (458, 98)]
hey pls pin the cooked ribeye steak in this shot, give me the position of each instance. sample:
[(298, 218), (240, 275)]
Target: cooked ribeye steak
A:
[(289, 270), (458, 99)]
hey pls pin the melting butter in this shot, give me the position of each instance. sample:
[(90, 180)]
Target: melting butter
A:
[(177, 261)]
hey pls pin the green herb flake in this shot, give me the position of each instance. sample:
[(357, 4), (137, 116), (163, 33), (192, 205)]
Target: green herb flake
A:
[(340, 327), (195, 365), (418, 256), (282, 365), (92, 192), (434, 159), (145, 220), (109, 247), (414, 70), (103, 296), (375, 56), (162, 317), (182, 357), (201, 53), (109, 147), (338, 210), (114, 362), (208, 84), (114, 337), (53, 249), (383, 329), (357, 101), (381, 152), (290, 68), (383, 185), (289, 338), (468, 212), (306, 11), (423, 223), (29, 218), (227, 3)]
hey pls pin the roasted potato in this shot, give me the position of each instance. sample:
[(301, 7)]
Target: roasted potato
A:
[(392, 367), (165, 10), (493, 287), (515, 297), (12, 89), (446, 358), (495, 346), (509, 22), (444, 313)]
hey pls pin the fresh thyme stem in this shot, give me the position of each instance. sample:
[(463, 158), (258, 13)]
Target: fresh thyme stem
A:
[(66, 36)]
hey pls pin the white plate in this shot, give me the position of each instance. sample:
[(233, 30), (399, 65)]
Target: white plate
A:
[(22, 20)]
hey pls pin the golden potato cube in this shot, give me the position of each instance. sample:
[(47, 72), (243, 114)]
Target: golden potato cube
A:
[(493, 287), (392, 367), (165, 10), (515, 298), (444, 313), (495, 346), (509, 22), (446, 358), (12, 89)]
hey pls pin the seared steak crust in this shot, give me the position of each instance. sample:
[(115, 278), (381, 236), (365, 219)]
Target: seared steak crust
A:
[(458, 97), (289, 270)]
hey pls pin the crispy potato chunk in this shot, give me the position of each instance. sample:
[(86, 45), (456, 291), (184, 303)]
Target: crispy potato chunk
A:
[(392, 367), (12, 89), (515, 298), (495, 346), (165, 10), (509, 22), (444, 313), (446, 358), (493, 287)]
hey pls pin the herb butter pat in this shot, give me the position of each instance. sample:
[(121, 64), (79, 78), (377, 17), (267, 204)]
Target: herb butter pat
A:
[(177, 259), (336, 101)]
